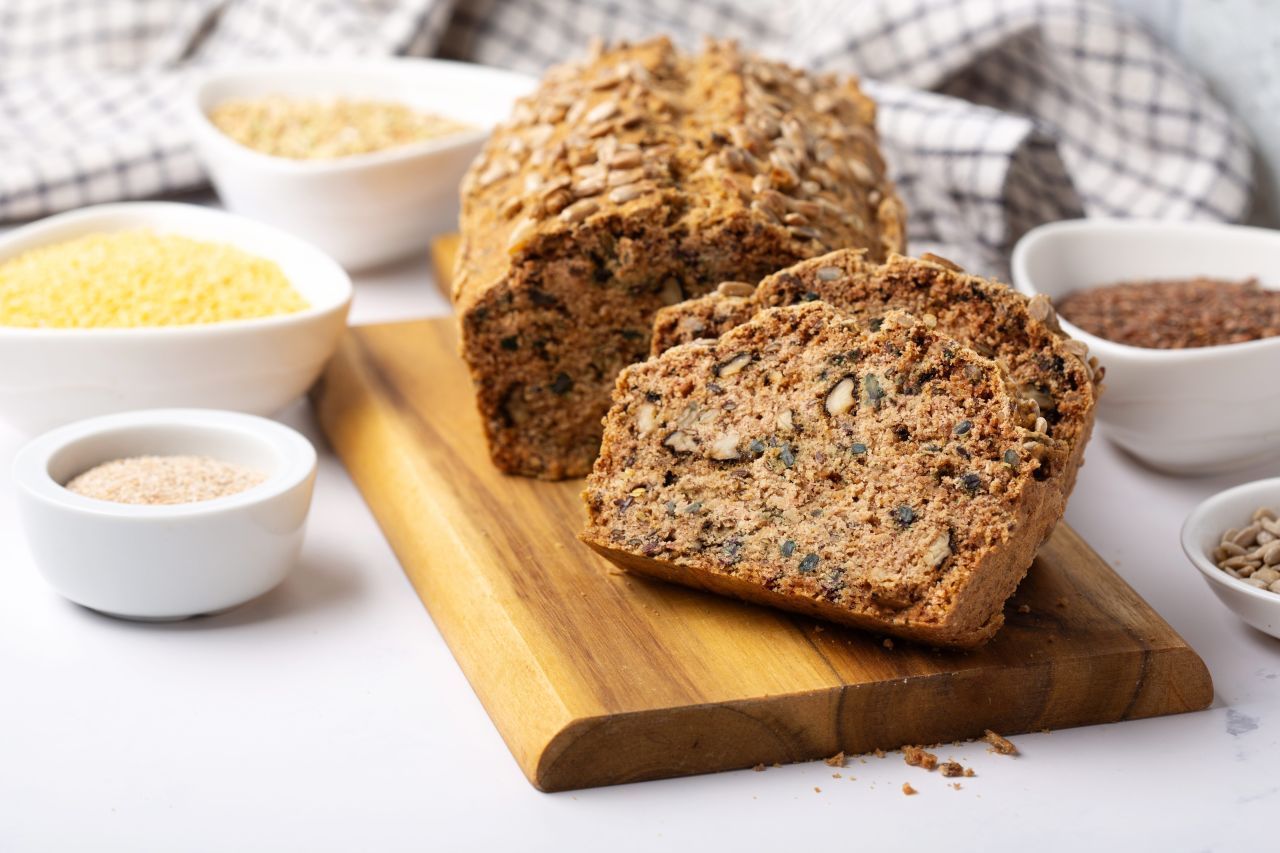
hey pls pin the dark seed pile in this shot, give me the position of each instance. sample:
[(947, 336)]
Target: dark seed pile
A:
[(1176, 314)]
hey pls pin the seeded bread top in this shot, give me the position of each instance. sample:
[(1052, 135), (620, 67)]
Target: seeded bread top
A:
[(707, 136)]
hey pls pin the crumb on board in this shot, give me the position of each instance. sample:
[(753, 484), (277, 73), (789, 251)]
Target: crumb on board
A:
[(951, 769), (999, 744), (759, 768), (908, 790), (1024, 608), (888, 644), (919, 757), (836, 760), (1061, 602)]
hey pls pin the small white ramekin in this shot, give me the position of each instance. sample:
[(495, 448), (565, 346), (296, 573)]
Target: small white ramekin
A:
[(170, 562), (53, 376), (1201, 533), (365, 209), (1185, 411)]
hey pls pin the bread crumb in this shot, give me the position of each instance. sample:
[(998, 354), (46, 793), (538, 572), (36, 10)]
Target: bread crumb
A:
[(908, 790), (818, 629), (951, 768), (837, 775), (956, 785), (999, 744), (817, 790), (836, 760), (1024, 608), (878, 753), (918, 757), (888, 644), (969, 772), (1062, 602), (759, 768)]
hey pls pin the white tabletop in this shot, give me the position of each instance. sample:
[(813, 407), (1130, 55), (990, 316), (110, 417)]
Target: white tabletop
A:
[(330, 715)]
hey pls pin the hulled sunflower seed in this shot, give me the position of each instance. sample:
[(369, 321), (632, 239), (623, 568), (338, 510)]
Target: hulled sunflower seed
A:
[(840, 398)]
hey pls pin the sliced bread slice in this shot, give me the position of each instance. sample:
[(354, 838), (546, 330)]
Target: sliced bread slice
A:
[(887, 479)]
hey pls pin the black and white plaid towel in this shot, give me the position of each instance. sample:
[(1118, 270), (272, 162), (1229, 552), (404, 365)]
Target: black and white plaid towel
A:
[(996, 114)]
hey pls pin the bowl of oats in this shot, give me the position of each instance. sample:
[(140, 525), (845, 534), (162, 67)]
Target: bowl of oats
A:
[(1185, 318), (1233, 539), (361, 157)]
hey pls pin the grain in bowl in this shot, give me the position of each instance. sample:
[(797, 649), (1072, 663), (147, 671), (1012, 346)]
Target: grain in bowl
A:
[(315, 129), (140, 277)]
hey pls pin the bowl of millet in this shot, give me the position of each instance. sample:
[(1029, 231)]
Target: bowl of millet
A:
[(1185, 317), (154, 304)]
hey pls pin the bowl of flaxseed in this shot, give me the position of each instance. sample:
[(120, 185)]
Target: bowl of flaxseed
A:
[(1186, 319), (1233, 539), (165, 514), (362, 157)]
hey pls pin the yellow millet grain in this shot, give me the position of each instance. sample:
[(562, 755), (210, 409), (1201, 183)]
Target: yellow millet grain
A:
[(313, 130), (140, 278)]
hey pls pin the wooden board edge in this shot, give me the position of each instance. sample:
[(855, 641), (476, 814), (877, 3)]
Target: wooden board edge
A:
[(636, 747)]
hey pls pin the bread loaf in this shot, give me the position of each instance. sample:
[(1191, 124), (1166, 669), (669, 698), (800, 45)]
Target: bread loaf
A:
[(634, 179), (1022, 335), (890, 479)]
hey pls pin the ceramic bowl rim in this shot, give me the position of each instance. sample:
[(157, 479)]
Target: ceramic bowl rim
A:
[(1024, 282), (195, 109), (30, 469)]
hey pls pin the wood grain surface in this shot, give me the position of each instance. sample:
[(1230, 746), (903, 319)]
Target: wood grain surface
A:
[(596, 677)]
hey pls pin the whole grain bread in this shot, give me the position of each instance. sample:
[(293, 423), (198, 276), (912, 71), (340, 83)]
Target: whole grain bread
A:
[(1022, 335), (634, 179), (889, 479)]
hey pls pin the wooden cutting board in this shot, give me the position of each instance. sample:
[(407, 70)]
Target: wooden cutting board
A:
[(595, 677)]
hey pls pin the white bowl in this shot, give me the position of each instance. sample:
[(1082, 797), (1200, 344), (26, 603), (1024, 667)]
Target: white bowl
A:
[(53, 376), (1201, 533), (1185, 411), (365, 209), (165, 562)]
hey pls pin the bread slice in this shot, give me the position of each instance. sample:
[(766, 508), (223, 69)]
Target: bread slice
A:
[(1022, 335), (888, 479)]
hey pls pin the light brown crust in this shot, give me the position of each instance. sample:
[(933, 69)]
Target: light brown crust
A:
[(631, 180)]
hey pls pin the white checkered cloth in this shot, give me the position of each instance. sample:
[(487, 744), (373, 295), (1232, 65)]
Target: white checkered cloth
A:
[(996, 115)]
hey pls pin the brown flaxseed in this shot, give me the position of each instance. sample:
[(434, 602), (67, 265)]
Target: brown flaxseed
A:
[(1176, 314)]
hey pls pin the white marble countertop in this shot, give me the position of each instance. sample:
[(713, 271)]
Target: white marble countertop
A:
[(330, 715)]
